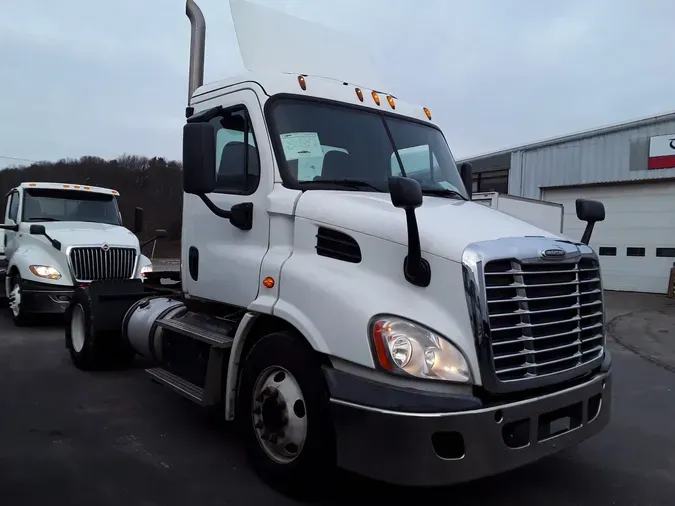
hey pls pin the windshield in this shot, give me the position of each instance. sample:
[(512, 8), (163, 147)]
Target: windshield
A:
[(69, 205), (323, 142)]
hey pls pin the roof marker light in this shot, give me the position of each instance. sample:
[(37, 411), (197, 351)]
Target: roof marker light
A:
[(376, 97), (303, 83), (390, 99), (359, 94), (427, 112)]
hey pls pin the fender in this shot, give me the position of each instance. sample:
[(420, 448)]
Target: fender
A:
[(34, 251)]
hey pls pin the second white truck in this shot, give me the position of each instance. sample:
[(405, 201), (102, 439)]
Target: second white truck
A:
[(59, 236)]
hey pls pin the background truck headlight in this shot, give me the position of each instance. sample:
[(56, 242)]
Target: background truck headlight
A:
[(405, 347), (145, 269), (45, 271)]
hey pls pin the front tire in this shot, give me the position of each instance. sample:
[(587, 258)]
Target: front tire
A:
[(17, 304), (284, 412), (91, 350)]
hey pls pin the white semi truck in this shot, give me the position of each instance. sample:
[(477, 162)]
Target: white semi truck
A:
[(59, 236), (355, 315)]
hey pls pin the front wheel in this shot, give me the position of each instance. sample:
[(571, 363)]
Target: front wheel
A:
[(17, 303), (285, 415), (91, 350)]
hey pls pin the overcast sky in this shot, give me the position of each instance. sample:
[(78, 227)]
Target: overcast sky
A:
[(84, 77)]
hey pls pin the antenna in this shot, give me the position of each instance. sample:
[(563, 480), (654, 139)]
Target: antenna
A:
[(197, 42)]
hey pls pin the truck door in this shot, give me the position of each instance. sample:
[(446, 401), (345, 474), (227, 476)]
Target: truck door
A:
[(9, 241), (220, 262)]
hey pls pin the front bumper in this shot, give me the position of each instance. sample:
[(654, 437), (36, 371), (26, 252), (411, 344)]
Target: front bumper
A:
[(463, 443), (45, 298)]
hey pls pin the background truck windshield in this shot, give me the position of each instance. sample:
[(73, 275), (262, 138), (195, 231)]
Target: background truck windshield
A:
[(69, 205), (323, 142)]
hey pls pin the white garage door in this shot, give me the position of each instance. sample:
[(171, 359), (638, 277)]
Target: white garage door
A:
[(636, 242)]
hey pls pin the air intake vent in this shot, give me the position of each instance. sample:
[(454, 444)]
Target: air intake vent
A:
[(334, 244)]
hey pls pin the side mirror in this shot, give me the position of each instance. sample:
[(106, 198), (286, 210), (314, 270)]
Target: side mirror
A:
[(199, 158), (160, 233), (40, 230), (590, 211), (405, 193), (11, 228), (138, 220), (37, 230), (466, 173)]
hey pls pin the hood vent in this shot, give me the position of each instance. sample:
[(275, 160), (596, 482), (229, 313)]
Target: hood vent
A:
[(333, 244)]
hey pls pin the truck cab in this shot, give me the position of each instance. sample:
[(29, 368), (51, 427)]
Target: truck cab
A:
[(57, 236), (342, 298)]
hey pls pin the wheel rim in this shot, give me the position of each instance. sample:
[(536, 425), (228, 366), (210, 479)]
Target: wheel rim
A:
[(15, 299), (279, 415), (77, 328)]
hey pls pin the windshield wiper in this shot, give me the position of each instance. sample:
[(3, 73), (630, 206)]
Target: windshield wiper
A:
[(42, 218), (442, 192), (348, 183)]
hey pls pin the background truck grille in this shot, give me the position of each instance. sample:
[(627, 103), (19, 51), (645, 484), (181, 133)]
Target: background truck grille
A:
[(543, 318), (92, 264)]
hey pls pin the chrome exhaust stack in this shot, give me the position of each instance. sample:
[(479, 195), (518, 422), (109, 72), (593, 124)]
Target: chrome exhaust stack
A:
[(197, 43)]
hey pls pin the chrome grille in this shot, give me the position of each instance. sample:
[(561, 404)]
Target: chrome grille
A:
[(543, 318), (95, 263)]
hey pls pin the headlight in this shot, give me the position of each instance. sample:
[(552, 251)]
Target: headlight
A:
[(408, 348), (45, 271), (145, 269)]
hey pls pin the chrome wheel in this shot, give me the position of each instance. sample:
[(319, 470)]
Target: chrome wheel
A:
[(279, 414), (77, 328), (15, 300)]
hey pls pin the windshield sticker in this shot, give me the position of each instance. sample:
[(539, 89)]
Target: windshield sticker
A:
[(301, 145)]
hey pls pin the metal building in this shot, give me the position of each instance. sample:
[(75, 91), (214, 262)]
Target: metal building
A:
[(629, 167)]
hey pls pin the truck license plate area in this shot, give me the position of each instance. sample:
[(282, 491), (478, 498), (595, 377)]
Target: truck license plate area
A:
[(558, 422)]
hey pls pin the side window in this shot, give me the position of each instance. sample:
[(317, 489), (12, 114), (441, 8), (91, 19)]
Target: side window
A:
[(415, 159), (14, 207), (237, 160)]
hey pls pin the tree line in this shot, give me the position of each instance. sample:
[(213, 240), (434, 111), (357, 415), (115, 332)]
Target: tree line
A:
[(155, 184)]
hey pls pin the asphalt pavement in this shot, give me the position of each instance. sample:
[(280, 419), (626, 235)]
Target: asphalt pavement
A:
[(115, 438)]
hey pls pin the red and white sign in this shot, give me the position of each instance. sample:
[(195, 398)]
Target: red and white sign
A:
[(662, 152)]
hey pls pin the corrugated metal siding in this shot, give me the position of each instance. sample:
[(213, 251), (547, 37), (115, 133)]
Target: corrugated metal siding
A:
[(617, 156)]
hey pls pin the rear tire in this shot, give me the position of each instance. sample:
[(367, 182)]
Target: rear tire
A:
[(91, 350), (289, 435)]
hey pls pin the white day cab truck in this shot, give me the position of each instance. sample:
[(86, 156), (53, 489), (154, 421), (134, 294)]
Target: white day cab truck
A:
[(361, 316), (59, 236)]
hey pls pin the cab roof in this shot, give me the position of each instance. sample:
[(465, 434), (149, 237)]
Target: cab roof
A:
[(69, 186), (329, 89)]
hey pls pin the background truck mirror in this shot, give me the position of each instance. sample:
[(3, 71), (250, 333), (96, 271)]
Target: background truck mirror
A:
[(199, 158), (138, 220), (160, 233)]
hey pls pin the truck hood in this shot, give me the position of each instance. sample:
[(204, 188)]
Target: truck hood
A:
[(446, 226), (90, 234)]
